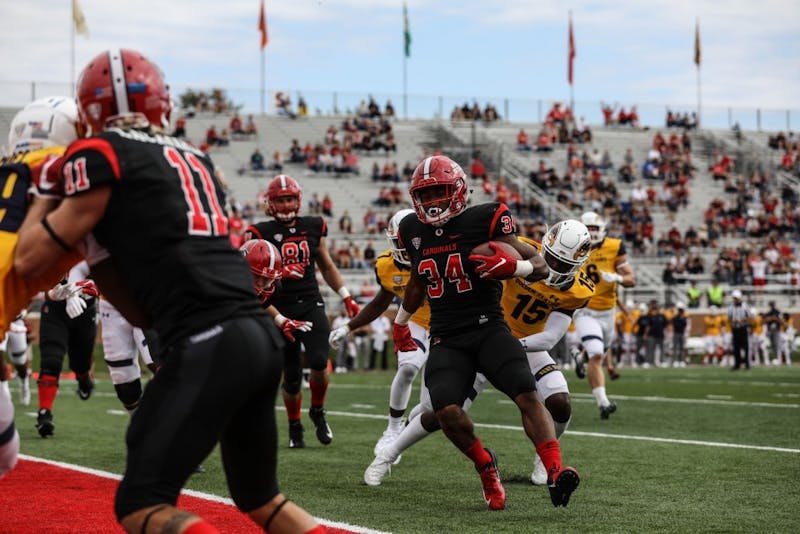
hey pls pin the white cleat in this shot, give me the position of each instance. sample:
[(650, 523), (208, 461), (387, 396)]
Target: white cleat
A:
[(388, 437), (377, 470), (24, 390), (539, 475)]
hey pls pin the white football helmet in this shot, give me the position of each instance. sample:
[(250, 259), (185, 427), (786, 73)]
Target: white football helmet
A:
[(596, 226), (566, 247), (49, 121), (398, 252)]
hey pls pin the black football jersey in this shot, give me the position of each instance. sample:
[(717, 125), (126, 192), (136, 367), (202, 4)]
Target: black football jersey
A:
[(165, 227), (297, 244), (460, 299)]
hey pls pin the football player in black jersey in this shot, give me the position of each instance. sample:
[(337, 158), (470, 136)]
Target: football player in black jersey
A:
[(468, 330), (154, 209), (301, 242)]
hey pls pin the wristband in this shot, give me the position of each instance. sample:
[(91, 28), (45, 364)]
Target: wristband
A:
[(279, 320), (343, 292), (402, 316), (524, 268), (346, 328)]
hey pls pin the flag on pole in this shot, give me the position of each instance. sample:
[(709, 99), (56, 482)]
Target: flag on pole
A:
[(406, 32), (697, 43), (262, 26), (80, 21), (571, 51)]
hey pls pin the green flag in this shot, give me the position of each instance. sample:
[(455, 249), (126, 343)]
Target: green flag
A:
[(406, 31)]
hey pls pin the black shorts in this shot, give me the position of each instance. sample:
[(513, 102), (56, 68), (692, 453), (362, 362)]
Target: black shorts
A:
[(314, 341), (491, 350), (59, 335), (217, 385)]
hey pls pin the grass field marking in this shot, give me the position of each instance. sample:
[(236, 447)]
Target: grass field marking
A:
[(192, 493), (733, 382), (718, 402)]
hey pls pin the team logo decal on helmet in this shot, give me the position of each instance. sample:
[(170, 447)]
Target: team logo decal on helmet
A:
[(566, 248)]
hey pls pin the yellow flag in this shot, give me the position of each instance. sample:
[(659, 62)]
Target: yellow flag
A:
[(80, 21)]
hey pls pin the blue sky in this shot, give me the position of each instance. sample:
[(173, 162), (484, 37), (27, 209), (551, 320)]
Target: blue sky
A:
[(628, 51)]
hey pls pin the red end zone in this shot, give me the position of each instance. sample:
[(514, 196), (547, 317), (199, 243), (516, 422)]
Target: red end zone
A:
[(43, 497)]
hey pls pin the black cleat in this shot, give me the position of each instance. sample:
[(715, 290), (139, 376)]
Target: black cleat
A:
[(577, 357), (562, 484), (324, 433), (85, 386), (296, 435), (605, 411), (44, 423)]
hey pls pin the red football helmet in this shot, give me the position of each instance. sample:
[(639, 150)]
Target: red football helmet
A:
[(284, 185), (122, 85), (445, 174), (265, 265)]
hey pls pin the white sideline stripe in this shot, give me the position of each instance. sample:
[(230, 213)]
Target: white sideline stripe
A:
[(718, 402), (192, 493)]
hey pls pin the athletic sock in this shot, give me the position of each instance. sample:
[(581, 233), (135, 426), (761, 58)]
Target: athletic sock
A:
[(48, 388), (293, 407), (550, 453), (600, 396), (318, 391), (478, 454), (411, 434)]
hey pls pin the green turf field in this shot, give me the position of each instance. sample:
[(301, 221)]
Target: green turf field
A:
[(689, 450)]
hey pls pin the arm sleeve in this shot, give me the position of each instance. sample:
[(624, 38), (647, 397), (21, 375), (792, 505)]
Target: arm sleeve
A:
[(555, 327), (78, 273)]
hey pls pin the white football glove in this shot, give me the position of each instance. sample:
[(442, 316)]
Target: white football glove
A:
[(75, 306), (62, 291), (611, 278), (338, 336)]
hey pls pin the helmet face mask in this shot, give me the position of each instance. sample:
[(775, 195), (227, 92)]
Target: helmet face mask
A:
[(284, 198), (596, 226), (123, 88), (565, 248), (439, 190), (49, 121), (265, 266), (399, 252)]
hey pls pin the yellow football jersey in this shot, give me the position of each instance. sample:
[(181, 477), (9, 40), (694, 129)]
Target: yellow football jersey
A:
[(602, 259), (15, 179), (713, 324), (526, 305), (626, 321), (394, 279), (758, 324)]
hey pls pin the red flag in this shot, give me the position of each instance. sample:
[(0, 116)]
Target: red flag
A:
[(262, 26), (571, 52)]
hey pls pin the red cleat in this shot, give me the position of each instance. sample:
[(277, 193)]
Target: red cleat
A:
[(493, 491)]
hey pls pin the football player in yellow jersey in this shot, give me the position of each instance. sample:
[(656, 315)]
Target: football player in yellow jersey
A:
[(625, 321), (539, 314), (712, 338), (758, 341), (392, 271), (607, 267), (38, 133)]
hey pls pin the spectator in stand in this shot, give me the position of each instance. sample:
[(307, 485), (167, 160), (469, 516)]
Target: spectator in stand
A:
[(277, 162), (283, 104), (408, 170), (370, 222), (302, 107), (257, 161), (327, 205), (370, 254), (477, 170), (544, 142), (250, 127), (236, 126), (523, 141), (296, 154), (346, 223), (314, 205), (693, 295), (180, 127), (211, 135), (608, 113)]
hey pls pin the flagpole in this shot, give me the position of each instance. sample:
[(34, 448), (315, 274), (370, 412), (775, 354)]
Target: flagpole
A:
[(405, 86), (263, 76), (72, 53), (699, 99)]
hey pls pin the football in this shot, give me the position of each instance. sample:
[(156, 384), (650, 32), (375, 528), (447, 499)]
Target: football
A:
[(485, 250)]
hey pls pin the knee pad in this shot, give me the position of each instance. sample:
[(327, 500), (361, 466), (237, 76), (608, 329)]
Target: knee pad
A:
[(123, 371), (19, 358), (129, 394), (292, 387), (407, 373), (593, 346)]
